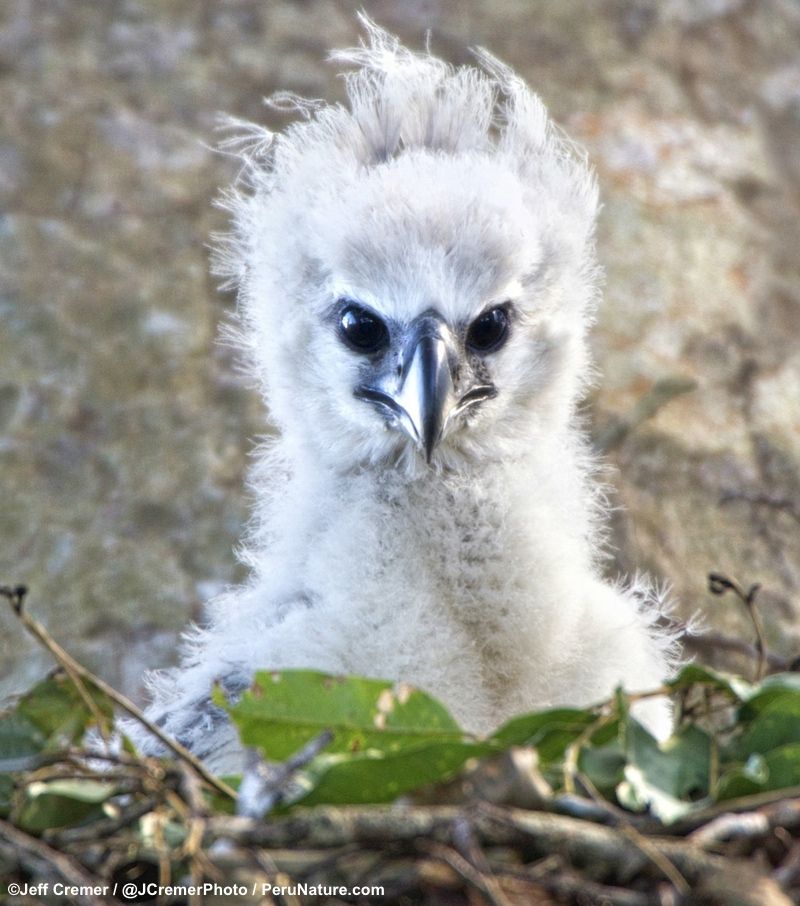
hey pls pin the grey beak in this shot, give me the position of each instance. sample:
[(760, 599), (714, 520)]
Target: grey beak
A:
[(420, 396), (426, 395)]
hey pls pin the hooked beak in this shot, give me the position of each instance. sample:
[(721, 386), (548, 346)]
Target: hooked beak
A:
[(425, 401), (426, 395)]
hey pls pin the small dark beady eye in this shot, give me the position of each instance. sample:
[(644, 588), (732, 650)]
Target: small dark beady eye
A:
[(489, 330), (362, 330)]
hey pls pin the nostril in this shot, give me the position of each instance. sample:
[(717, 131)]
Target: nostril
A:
[(476, 395)]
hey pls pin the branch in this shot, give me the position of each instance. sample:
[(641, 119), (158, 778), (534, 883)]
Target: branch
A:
[(714, 641), (36, 856), (78, 673), (718, 584), (579, 841)]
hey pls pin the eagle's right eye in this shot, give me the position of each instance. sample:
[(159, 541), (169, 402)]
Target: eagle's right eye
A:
[(362, 330)]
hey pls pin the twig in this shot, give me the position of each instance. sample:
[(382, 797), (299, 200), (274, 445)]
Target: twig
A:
[(642, 843), (16, 597), (486, 885), (540, 832), (468, 847), (37, 856), (575, 888), (718, 584), (730, 826), (191, 791), (714, 641), (573, 751), (103, 827), (278, 878), (581, 841), (784, 802), (788, 873), (599, 811), (573, 773), (769, 500)]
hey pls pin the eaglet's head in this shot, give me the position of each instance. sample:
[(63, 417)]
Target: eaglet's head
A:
[(416, 270)]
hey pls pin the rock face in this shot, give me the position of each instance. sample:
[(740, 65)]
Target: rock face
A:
[(125, 428)]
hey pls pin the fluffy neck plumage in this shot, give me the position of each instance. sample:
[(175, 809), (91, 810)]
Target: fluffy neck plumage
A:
[(453, 530)]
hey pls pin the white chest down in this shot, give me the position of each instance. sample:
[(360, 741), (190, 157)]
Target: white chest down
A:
[(476, 591)]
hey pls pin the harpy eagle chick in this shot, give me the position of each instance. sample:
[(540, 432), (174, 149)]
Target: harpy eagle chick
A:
[(416, 274)]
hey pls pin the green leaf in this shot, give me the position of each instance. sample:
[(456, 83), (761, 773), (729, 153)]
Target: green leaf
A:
[(7, 787), (387, 738), (21, 741), (779, 687), (742, 780), (776, 770), (776, 684), (62, 803), (666, 778), (372, 776), (284, 710), (549, 732), (696, 674), (774, 716), (783, 767), (604, 762), (56, 708)]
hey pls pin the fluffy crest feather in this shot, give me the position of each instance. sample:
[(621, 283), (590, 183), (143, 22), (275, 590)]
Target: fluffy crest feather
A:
[(398, 100)]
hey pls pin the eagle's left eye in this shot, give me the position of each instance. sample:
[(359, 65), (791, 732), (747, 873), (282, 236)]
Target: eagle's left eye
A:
[(489, 330), (362, 330)]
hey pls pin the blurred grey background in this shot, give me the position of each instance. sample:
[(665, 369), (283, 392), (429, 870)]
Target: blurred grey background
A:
[(125, 428)]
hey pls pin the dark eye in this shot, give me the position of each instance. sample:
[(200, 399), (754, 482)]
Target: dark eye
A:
[(488, 331), (362, 330)]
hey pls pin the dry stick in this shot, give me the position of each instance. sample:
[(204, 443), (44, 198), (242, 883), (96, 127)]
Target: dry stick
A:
[(190, 790), (484, 884), (576, 888), (731, 827), (643, 843), (782, 815), (770, 798), (718, 584), (572, 772), (103, 827), (469, 848), (750, 601), (162, 852), (714, 641), (16, 597), (275, 876), (327, 826), (777, 503), (33, 854), (788, 873), (591, 843), (600, 811), (663, 862)]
